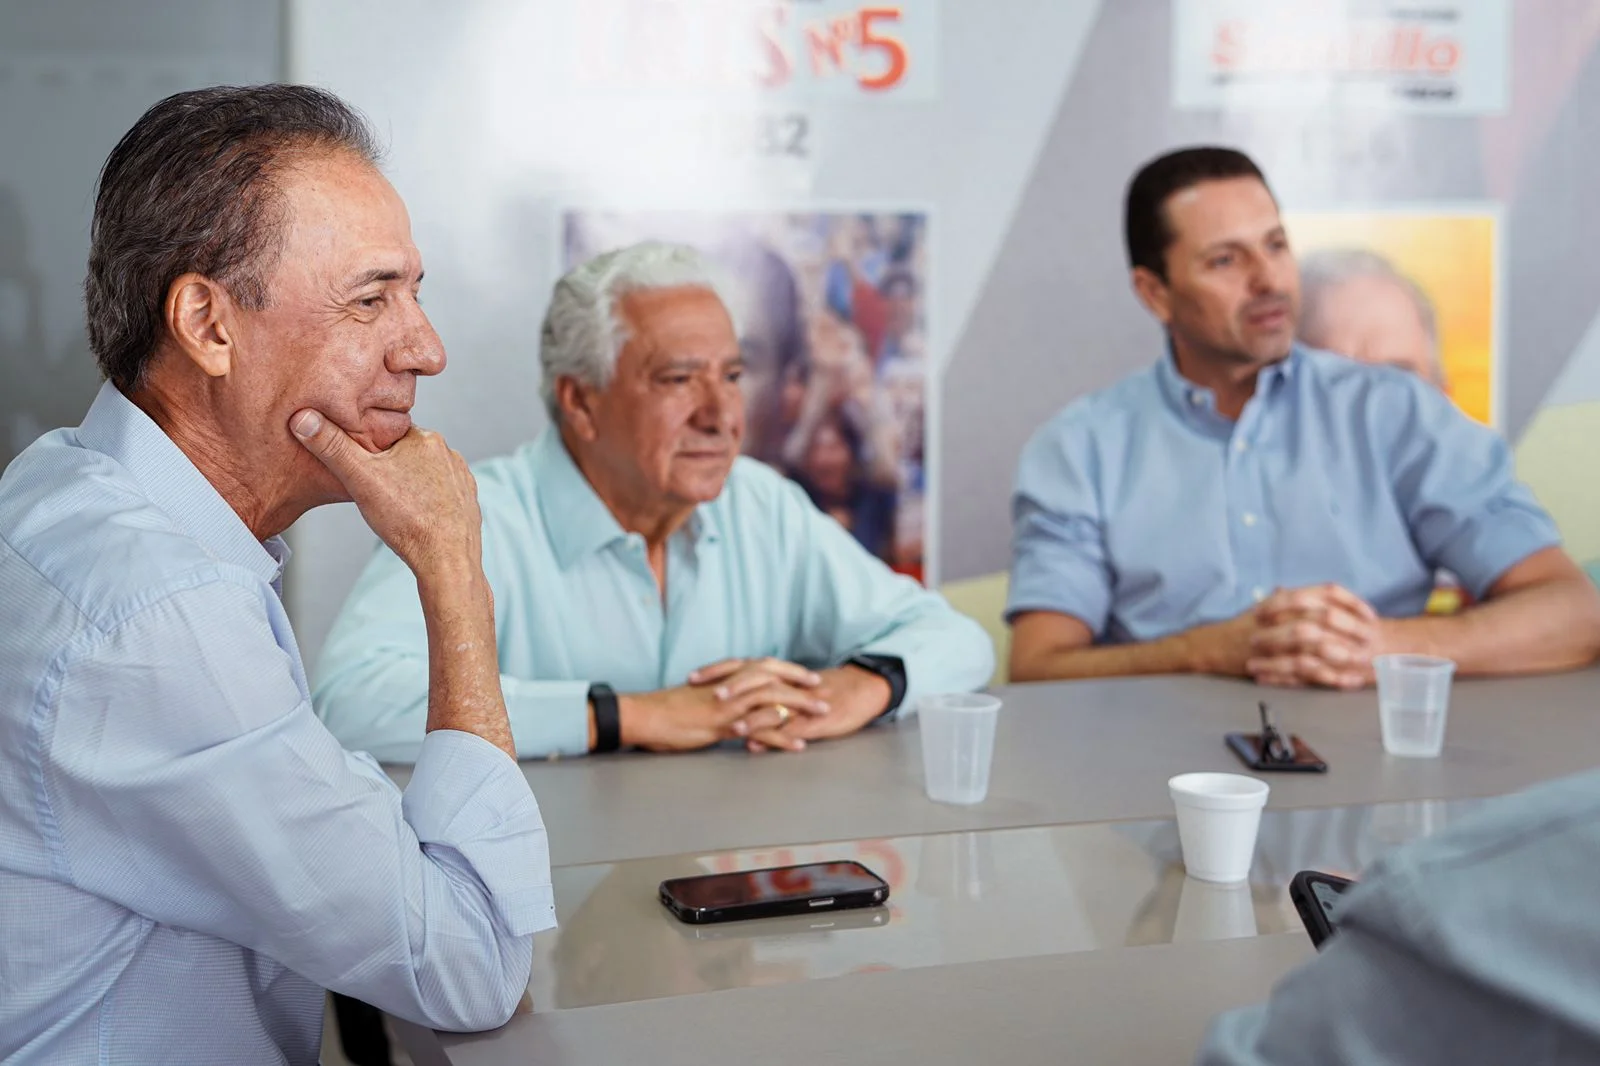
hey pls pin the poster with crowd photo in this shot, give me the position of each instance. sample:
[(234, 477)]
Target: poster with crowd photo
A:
[(832, 316), (1416, 288)]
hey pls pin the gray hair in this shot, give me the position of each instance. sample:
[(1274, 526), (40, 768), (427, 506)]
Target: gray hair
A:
[(193, 187), (1323, 271), (584, 330)]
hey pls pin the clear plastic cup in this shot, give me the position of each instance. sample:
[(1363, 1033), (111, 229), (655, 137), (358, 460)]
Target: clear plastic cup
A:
[(1218, 817), (957, 745), (1413, 699)]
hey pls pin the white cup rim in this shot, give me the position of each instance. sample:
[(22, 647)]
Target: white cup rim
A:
[(1409, 661), (1212, 791), (959, 702)]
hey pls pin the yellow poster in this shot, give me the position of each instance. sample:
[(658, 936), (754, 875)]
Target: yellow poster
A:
[(1358, 266)]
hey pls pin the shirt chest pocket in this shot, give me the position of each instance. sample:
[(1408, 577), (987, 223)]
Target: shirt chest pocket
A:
[(1349, 534)]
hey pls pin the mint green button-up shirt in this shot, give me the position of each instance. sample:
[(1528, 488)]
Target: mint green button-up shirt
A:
[(758, 571)]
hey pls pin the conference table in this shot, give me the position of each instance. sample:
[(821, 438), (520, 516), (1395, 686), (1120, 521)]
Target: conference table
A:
[(1053, 920)]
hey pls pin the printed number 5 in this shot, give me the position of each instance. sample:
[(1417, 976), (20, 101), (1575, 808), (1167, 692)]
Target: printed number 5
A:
[(891, 47)]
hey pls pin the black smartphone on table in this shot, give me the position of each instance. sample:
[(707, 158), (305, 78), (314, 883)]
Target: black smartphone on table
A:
[(804, 889), (828, 920), (1316, 897), (1249, 749), (1270, 749)]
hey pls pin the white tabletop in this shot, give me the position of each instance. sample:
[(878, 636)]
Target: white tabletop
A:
[(1067, 755), (1090, 751), (954, 898), (1128, 1007)]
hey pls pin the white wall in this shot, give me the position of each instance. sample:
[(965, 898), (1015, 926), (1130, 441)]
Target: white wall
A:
[(74, 76), (490, 137)]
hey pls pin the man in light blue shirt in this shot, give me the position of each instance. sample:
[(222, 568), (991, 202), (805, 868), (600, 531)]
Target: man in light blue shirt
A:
[(189, 857), (653, 589), (1253, 508), (1477, 945)]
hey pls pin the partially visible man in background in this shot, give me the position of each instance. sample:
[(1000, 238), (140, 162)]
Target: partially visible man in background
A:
[(190, 858), (652, 588), (1354, 302)]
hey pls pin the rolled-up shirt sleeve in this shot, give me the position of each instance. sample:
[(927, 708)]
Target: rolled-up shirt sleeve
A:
[(217, 802), (1058, 554), (1456, 482)]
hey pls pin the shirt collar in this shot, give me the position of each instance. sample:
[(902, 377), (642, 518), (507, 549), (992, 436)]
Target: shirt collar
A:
[(1280, 373), (116, 427), (577, 520), (1189, 398)]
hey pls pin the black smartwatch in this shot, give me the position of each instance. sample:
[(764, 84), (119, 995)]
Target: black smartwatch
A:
[(889, 667), (607, 718)]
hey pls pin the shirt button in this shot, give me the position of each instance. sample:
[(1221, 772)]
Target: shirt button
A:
[(1258, 593), (1249, 518), (1195, 398), (1239, 445)]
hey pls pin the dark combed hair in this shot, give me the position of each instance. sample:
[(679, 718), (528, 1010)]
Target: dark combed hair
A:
[(192, 188), (1145, 216)]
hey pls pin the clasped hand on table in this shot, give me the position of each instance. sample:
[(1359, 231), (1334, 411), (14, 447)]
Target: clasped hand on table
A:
[(1320, 635), (770, 703)]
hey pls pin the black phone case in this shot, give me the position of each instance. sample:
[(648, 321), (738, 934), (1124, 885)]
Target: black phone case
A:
[(739, 912), (1318, 927), (826, 919), (1248, 747)]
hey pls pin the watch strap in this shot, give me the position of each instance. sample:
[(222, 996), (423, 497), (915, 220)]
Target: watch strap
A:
[(889, 667), (607, 717)]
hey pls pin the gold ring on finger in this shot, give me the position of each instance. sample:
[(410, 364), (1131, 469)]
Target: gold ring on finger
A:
[(783, 714)]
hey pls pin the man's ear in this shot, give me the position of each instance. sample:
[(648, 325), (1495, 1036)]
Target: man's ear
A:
[(575, 400), (200, 316), (1153, 293)]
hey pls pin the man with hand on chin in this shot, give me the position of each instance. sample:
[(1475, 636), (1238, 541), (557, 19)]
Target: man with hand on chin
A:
[(1253, 508), (190, 857), (652, 588)]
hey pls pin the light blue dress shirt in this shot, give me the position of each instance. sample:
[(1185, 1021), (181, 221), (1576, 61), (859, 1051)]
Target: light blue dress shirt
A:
[(1480, 945), (758, 571), (187, 856), (1142, 511)]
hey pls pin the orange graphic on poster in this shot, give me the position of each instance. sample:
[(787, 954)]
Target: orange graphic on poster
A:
[(730, 45), (1442, 264)]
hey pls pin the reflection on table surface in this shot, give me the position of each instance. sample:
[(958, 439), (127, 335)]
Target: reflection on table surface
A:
[(955, 897)]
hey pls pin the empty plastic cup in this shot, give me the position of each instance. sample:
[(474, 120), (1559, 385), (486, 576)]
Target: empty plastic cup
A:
[(957, 745), (1218, 816), (1413, 698)]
